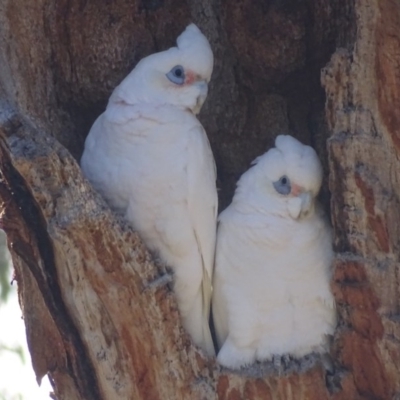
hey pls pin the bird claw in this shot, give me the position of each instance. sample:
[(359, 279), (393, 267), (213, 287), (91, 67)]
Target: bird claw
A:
[(281, 362), (165, 274), (327, 362), (286, 360), (159, 282), (277, 362), (160, 264)]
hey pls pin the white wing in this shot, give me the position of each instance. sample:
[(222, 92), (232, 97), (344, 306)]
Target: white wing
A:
[(106, 158), (203, 205), (219, 305)]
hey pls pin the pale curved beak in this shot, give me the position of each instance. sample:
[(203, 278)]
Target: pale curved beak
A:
[(301, 204), (202, 87)]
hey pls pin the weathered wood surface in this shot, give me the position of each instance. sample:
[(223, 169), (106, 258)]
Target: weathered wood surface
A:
[(92, 321), (363, 94)]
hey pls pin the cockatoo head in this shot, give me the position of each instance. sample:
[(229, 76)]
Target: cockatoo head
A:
[(290, 175), (178, 76)]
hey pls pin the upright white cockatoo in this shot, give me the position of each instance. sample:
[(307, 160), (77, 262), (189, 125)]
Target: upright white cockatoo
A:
[(273, 261), (150, 158)]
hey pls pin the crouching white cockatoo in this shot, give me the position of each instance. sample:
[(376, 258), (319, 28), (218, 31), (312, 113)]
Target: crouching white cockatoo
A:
[(273, 261), (150, 158)]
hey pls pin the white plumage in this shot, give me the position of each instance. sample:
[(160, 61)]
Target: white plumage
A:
[(273, 261), (149, 156)]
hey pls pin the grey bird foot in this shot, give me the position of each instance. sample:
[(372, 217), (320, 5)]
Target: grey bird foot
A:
[(286, 359), (165, 274), (160, 264), (327, 362), (159, 282), (277, 362)]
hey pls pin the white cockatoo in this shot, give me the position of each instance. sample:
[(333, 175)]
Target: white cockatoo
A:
[(149, 156), (273, 261)]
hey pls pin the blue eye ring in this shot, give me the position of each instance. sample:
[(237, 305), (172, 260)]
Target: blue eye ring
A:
[(282, 185), (177, 75)]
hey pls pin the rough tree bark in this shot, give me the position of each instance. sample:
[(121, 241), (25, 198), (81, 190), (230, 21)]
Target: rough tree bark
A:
[(92, 323)]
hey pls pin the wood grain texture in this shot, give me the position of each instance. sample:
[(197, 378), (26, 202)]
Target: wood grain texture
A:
[(93, 322)]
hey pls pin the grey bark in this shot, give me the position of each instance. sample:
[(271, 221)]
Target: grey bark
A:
[(91, 323)]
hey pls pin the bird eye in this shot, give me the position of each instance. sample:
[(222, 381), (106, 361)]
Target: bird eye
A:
[(177, 75), (282, 186)]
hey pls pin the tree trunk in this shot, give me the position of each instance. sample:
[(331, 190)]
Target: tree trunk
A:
[(92, 321)]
